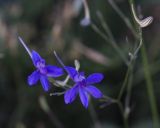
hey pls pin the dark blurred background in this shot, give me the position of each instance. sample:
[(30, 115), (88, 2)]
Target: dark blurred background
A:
[(48, 25)]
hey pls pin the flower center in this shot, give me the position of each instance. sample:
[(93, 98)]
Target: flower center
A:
[(79, 78), (41, 67), (82, 83)]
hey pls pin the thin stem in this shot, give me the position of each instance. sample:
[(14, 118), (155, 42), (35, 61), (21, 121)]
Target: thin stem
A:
[(154, 69), (112, 43), (128, 96), (147, 74), (123, 17), (120, 106), (105, 26), (107, 98), (124, 84), (59, 60), (129, 70), (127, 83), (123, 114), (25, 46), (150, 89), (57, 93), (94, 116), (45, 107)]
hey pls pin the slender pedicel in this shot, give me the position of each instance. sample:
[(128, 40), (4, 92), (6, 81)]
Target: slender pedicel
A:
[(24, 45), (59, 60)]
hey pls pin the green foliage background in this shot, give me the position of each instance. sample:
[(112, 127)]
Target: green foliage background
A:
[(54, 25)]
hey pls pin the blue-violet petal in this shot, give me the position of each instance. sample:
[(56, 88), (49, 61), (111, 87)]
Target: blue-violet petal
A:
[(33, 78), (71, 71), (70, 94), (96, 93), (94, 78), (36, 58), (83, 96), (54, 71), (45, 83)]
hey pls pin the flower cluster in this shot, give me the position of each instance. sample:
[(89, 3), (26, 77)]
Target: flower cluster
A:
[(83, 85)]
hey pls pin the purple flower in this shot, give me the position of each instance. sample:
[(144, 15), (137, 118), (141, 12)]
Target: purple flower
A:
[(83, 86), (85, 22), (42, 71)]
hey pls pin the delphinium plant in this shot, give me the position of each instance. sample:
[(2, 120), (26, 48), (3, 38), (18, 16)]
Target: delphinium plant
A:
[(84, 85)]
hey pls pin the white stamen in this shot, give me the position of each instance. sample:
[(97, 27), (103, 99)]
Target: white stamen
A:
[(25, 46), (77, 64)]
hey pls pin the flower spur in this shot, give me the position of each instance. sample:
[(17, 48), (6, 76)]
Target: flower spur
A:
[(42, 71)]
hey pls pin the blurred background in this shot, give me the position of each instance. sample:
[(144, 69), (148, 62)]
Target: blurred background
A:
[(48, 25)]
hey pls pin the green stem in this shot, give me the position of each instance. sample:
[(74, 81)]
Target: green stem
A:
[(150, 90), (125, 120), (122, 16), (105, 26), (147, 75), (93, 115), (128, 95), (112, 43), (124, 84)]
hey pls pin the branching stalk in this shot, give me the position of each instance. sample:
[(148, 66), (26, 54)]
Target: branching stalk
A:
[(147, 74), (123, 17), (111, 42)]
